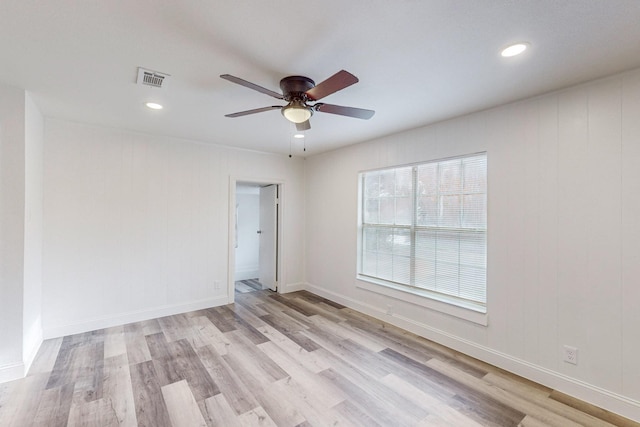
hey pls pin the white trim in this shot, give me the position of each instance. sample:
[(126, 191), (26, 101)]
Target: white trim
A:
[(231, 242), (595, 395), (293, 287), (31, 344), (231, 252), (247, 273), (56, 331), (430, 301), (10, 372), (423, 162)]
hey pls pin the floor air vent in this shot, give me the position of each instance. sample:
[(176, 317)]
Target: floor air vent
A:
[(151, 78)]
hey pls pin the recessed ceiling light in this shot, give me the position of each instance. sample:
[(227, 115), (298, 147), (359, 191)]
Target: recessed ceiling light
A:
[(298, 135), (154, 106), (514, 49)]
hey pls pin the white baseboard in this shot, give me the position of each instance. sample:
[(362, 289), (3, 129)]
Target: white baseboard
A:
[(32, 342), (293, 287), (246, 273), (595, 395), (11, 372), (55, 331)]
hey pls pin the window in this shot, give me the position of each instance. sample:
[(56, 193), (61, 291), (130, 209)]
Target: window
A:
[(424, 229)]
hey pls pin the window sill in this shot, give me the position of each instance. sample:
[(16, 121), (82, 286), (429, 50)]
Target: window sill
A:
[(440, 303)]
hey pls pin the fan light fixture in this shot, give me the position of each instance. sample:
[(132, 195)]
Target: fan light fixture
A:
[(296, 112)]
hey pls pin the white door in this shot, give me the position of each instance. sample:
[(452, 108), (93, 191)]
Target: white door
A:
[(268, 237)]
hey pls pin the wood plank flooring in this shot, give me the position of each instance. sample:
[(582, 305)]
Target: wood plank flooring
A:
[(275, 360), (250, 285)]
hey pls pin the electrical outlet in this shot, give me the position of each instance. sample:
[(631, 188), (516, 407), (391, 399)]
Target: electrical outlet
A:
[(216, 285), (389, 310), (570, 355)]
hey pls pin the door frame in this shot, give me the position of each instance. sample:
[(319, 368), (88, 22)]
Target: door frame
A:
[(268, 212), (231, 267)]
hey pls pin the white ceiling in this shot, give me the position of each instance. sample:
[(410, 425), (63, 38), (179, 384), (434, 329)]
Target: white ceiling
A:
[(418, 61)]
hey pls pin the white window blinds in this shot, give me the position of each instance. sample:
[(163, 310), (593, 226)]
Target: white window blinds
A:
[(424, 227)]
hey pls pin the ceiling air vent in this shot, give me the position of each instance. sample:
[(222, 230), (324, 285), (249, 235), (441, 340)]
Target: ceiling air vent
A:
[(151, 78)]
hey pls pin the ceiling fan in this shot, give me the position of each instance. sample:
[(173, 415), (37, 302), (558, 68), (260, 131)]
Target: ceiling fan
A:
[(300, 92)]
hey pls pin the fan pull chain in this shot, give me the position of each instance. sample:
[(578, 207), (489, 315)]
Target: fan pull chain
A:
[(296, 134), (291, 138)]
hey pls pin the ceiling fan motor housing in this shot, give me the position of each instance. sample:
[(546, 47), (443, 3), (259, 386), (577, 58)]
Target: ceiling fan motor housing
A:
[(294, 87)]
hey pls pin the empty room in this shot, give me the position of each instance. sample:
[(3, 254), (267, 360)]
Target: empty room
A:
[(287, 213)]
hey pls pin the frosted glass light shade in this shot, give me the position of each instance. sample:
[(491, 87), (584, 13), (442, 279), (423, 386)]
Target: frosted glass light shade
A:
[(296, 113)]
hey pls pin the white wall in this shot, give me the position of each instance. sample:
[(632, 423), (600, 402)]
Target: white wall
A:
[(563, 233), (21, 140), (248, 250), (32, 303), (136, 226), (12, 186)]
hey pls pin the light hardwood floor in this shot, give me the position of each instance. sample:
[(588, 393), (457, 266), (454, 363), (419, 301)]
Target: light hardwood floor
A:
[(244, 286), (275, 360)]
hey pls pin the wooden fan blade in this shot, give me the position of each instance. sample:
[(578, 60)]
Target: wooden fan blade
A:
[(337, 82), (250, 85), (257, 110), (358, 113), (303, 126)]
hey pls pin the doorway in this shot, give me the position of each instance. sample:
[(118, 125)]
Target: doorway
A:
[(256, 235)]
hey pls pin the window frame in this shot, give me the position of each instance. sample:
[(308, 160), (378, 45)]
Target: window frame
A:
[(473, 311)]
